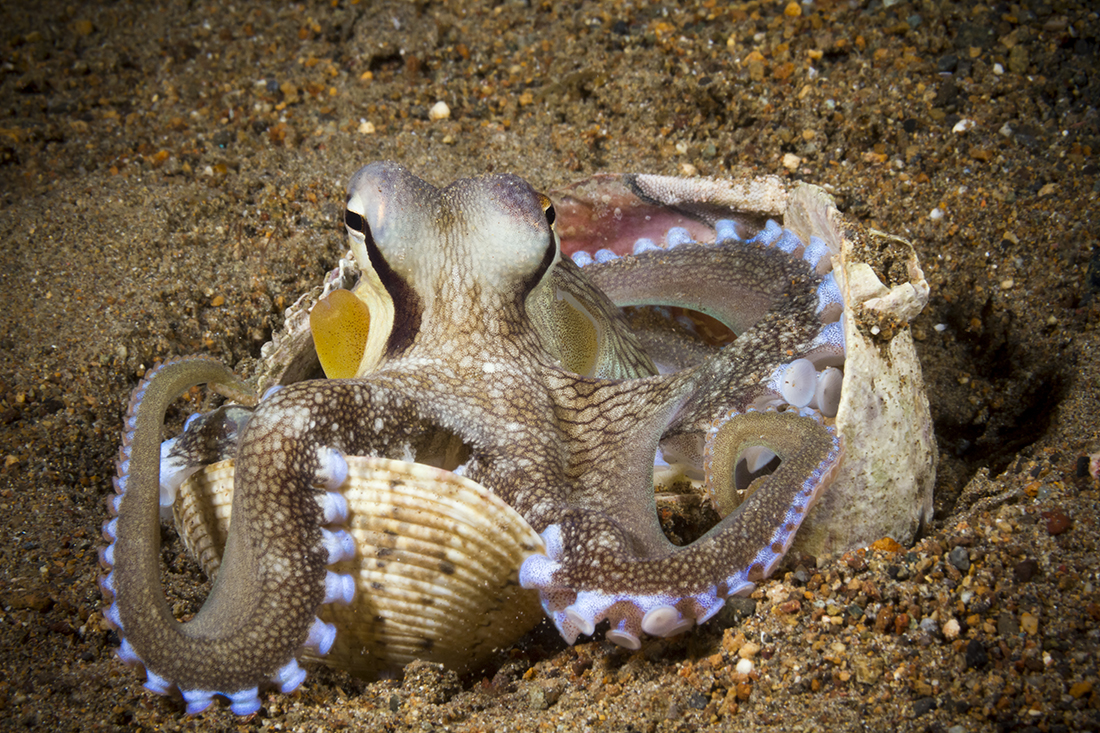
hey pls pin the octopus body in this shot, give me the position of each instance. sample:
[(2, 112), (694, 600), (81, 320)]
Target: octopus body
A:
[(470, 344)]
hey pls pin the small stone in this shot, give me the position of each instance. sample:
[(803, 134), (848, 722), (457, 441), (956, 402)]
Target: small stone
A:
[(748, 650), (791, 161), (736, 608), (744, 666), (951, 630), (929, 625), (963, 125), (1080, 689), (439, 111), (976, 655), (868, 669), (366, 128), (887, 544), (1018, 60), (960, 558), (1057, 521), (536, 699), (924, 705), (1006, 625), (1029, 623), (1025, 570), (1048, 190)]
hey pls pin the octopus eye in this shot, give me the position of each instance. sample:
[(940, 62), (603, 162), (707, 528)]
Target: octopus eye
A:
[(547, 209), (354, 221)]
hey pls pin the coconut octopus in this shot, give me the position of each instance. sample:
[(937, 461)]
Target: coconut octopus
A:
[(491, 392)]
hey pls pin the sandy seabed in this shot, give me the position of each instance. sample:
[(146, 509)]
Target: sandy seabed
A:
[(172, 177)]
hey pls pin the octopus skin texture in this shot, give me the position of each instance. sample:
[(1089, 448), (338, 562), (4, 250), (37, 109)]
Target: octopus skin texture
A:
[(471, 344)]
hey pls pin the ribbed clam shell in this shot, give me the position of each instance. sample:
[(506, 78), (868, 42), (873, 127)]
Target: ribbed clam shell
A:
[(436, 564)]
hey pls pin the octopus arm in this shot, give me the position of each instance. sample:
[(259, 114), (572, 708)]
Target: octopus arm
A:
[(595, 569), (261, 608), (735, 282)]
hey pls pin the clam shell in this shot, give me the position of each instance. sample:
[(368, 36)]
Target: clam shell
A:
[(436, 565)]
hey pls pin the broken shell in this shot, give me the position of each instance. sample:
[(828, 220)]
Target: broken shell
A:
[(436, 565), (885, 482), (884, 486)]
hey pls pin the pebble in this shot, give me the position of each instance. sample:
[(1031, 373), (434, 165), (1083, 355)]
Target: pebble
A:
[(1018, 60), (439, 111), (976, 655), (1057, 521), (1080, 689), (1025, 570), (923, 705), (951, 630), (960, 558)]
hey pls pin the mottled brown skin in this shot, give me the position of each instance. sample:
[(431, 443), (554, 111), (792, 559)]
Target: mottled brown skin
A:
[(255, 617), (470, 354)]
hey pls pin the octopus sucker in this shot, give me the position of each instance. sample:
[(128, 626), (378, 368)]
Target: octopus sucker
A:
[(460, 429)]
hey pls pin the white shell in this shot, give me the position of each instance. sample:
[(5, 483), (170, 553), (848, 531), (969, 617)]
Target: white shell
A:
[(436, 565), (885, 483)]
